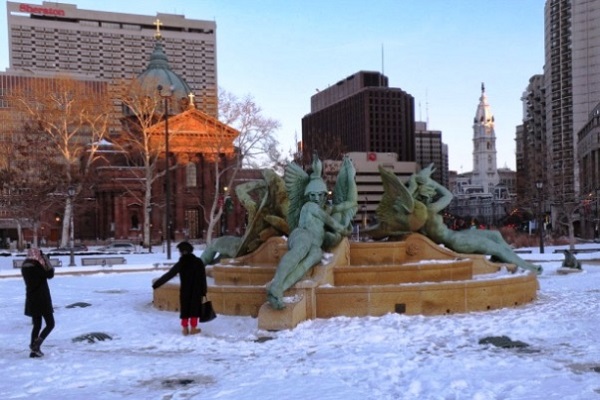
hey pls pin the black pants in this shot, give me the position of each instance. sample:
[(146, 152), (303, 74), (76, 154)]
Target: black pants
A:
[(37, 326)]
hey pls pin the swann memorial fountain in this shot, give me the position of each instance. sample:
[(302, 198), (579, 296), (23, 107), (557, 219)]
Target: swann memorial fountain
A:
[(295, 261)]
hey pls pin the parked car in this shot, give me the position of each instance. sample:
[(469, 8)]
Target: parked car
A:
[(77, 248), (118, 248)]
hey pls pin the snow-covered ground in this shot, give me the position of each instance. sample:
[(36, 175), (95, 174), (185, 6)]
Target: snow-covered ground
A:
[(388, 357)]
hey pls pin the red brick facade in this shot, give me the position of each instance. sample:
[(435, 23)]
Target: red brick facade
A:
[(196, 140)]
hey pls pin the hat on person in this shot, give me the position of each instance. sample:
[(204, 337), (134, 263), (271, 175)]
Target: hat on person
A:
[(185, 247)]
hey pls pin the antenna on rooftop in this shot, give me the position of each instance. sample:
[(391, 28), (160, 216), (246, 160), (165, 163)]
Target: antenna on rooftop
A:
[(381, 75), (382, 70), (427, 106)]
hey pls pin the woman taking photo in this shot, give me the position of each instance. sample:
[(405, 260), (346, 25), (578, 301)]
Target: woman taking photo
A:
[(36, 271)]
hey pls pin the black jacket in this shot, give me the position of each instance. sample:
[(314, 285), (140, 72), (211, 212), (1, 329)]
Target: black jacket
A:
[(192, 275), (38, 301)]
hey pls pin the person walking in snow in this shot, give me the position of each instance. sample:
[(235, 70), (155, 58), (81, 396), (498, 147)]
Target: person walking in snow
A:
[(36, 271), (192, 276)]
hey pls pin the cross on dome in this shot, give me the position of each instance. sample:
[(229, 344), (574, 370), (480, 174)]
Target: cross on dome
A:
[(158, 24)]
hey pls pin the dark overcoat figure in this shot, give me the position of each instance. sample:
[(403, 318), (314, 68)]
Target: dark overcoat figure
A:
[(36, 271), (193, 287)]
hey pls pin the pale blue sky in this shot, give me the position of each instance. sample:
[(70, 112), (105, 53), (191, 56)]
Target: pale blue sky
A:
[(439, 51)]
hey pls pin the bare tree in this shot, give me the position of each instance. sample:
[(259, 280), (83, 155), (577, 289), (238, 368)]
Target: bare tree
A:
[(72, 117), (568, 213), (328, 149), (144, 147), (279, 160), (28, 178), (254, 147)]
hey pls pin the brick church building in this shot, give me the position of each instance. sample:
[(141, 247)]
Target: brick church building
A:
[(120, 190), (198, 145)]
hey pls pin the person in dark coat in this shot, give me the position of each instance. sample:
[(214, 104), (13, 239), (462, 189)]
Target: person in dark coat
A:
[(192, 276), (36, 271)]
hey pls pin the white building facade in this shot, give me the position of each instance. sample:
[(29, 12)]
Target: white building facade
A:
[(485, 170), (482, 195)]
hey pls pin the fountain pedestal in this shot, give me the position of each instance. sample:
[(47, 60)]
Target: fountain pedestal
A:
[(413, 276)]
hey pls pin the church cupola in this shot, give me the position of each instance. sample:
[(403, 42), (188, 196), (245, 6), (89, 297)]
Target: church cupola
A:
[(159, 73)]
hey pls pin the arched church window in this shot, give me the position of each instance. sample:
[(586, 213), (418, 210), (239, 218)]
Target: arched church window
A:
[(190, 175)]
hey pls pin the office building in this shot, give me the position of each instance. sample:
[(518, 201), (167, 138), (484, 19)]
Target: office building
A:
[(531, 140), (59, 37), (429, 149), (360, 113), (572, 56), (368, 179)]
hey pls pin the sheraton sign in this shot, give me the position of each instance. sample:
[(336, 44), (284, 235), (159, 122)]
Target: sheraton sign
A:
[(26, 8)]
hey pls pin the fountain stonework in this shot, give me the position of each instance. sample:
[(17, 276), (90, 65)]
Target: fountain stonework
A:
[(413, 276), (283, 283)]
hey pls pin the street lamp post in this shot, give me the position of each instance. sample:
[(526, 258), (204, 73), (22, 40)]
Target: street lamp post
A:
[(71, 193), (540, 185), (167, 172), (596, 232)]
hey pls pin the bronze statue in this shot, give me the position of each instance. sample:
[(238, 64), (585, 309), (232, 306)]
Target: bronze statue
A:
[(313, 224), (402, 210), (267, 205), (398, 213), (570, 260)]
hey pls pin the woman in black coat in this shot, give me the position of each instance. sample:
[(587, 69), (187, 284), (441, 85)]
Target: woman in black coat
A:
[(36, 271), (192, 275)]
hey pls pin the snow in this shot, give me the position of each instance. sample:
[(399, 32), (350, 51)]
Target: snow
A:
[(389, 357)]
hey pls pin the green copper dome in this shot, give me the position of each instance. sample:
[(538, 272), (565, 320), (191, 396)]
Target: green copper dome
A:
[(158, 73)]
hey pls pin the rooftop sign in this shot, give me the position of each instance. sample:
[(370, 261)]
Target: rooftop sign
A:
[(27, 8)]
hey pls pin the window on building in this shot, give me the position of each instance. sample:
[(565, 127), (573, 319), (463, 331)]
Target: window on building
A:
[(190, 175)]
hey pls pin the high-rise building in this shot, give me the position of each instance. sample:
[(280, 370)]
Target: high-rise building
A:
[(588, 150), (429, 148), (361, 114), (572, 56), (60, 37), (531, 140), (572, 81)]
